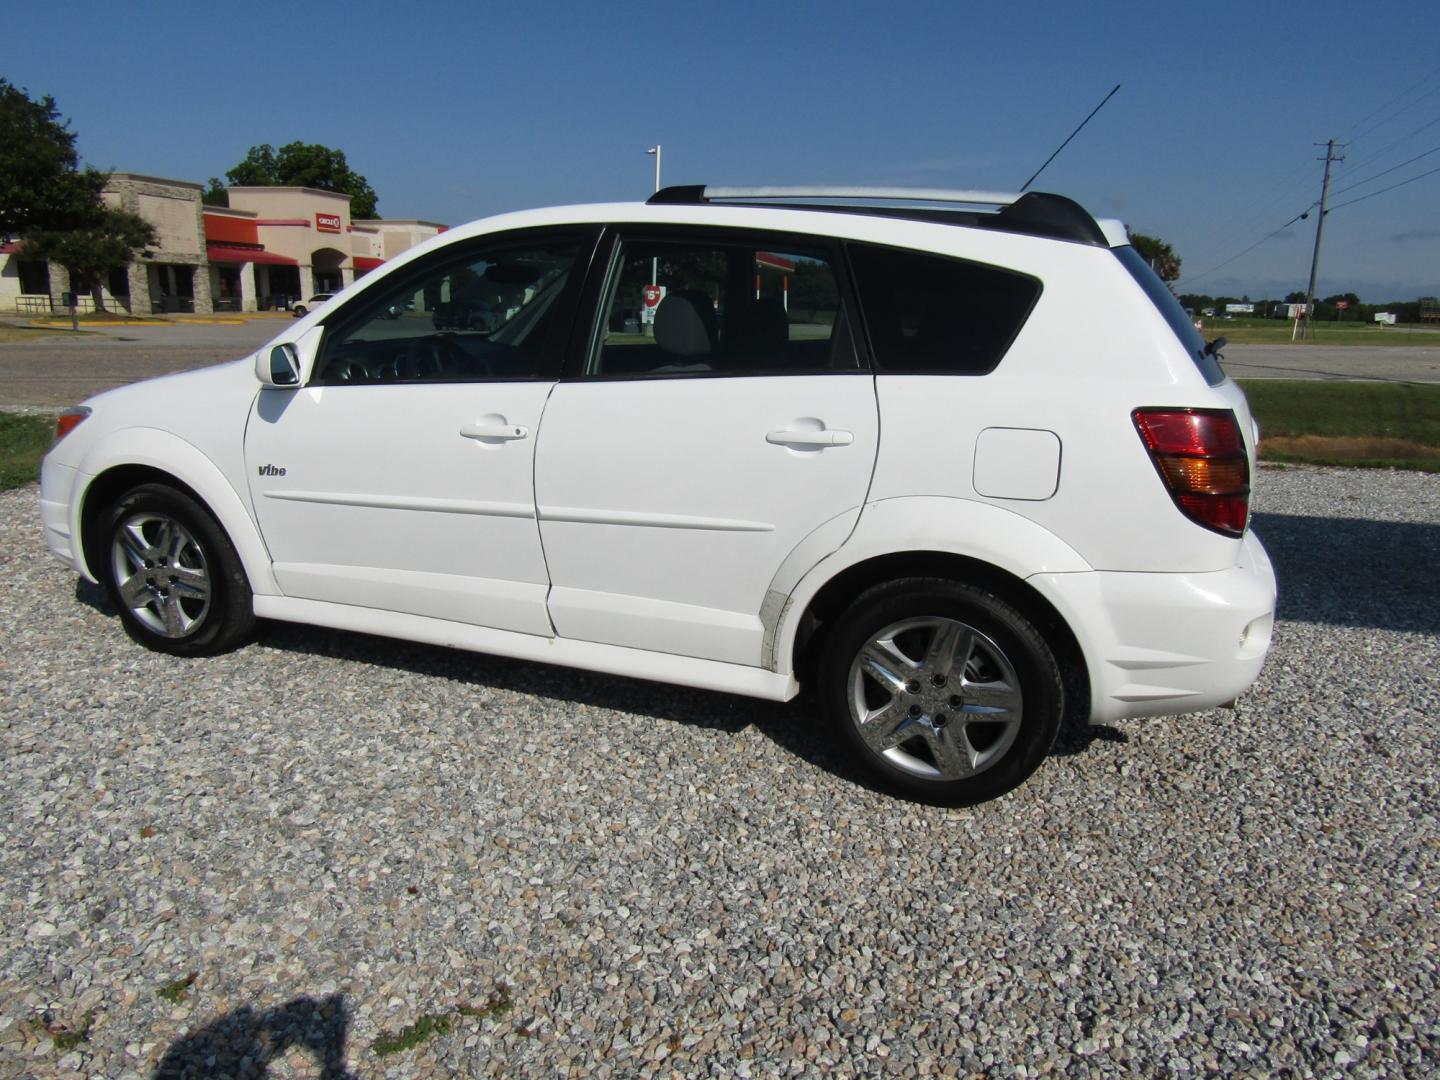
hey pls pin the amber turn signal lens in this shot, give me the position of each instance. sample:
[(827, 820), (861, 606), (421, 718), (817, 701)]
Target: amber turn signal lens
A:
[(1200, 454), (69, 420)]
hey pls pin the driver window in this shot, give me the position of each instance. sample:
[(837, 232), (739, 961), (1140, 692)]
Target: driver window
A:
[(484, 315)]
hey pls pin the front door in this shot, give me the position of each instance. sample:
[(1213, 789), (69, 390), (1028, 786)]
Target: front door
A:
[(401, 476)]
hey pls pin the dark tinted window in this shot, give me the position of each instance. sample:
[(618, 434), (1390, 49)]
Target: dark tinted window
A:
[(708, 307), (1165, 302), (930, 314)]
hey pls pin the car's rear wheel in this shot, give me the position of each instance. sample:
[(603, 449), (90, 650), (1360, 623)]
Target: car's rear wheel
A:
[(942, 690), (298, 311), (173, 574)]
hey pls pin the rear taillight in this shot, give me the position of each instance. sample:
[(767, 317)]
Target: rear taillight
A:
[(69, 420), (1200, 454)]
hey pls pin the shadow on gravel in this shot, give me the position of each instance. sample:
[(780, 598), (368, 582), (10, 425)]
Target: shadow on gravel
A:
[(795, 726), (1353, 572), (244, 1042)]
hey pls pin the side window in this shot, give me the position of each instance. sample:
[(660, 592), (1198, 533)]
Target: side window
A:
[(931, 314), (481, 314), (720, 308)]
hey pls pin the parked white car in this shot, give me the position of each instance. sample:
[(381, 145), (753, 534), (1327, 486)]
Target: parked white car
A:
[(301, 308), (965, 469)]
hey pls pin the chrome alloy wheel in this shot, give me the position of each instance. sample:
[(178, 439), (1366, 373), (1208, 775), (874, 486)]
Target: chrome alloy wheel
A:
[(161, 573), (935, 697)]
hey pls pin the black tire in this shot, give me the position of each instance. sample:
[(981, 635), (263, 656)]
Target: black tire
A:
[(173, 574), (298, 311), (946, 742)]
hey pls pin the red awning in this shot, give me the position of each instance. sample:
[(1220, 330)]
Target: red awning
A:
[(231, 253), (364, 262)]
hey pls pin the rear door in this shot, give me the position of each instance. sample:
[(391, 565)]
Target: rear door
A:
[(683, 459)]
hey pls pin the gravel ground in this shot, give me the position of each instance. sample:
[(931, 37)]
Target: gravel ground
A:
[(324, 839)]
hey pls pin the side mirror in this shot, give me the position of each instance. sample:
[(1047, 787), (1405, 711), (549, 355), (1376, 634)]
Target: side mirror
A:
[(287, 365), (281, 367)]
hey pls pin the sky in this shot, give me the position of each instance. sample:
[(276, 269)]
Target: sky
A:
[(454, 111)]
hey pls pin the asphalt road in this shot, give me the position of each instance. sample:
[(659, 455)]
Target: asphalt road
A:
[(63, 369)]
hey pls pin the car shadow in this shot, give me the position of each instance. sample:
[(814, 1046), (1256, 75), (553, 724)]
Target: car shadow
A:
[(1355, 572), (243, 1042), (795, 726)]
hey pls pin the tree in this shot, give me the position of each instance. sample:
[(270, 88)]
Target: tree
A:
[(92, 252), (41, 183), (298, 164), (1158, 254)]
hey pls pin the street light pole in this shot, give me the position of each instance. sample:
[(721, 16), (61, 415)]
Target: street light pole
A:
[(655, 263)]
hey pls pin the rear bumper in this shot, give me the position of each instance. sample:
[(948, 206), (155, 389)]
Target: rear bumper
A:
[(1157, 644)]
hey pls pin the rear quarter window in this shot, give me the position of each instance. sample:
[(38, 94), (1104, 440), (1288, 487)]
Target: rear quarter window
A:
[(928, 314)]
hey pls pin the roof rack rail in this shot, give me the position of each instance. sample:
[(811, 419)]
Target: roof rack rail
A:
[(707, 193), (1035, 213)]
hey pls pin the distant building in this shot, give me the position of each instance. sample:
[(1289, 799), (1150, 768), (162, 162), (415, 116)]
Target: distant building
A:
[(271, 246)]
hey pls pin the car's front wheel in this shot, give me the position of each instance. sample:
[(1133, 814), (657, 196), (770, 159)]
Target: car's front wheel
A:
[(173, 574), (298, 311), (943, 691)]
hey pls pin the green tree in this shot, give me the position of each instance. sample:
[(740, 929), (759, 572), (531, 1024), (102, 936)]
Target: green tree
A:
[(92, 252), (298, 164), (41, 183), (1158, 254)]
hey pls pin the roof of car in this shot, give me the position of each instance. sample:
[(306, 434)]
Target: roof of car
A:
[(1033, 213)]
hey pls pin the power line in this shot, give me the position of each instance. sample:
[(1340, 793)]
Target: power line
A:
[(1382, 191), (1397, 112), (1367, 180), (1191, 278), (1397, 142)]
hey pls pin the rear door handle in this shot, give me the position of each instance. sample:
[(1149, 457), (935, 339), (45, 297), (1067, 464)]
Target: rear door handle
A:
[(498, 432), (826, 437)]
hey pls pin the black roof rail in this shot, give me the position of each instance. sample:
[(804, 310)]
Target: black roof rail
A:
[(1034, 213)]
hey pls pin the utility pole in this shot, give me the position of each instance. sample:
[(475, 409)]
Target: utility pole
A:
[(1330, 158)]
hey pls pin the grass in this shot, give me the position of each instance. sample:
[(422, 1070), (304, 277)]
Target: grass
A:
[(23, 442), (10, 334), (1361, 424), (407, 1038), (177, 990), (63, 1037), (433, 1025), (1278, 331)]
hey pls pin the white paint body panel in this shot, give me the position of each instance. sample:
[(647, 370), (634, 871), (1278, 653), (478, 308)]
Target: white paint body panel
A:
[(665, 511), (384, 503)]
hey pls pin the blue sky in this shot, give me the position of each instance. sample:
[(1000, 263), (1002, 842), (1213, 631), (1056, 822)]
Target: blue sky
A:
[(455, 111)]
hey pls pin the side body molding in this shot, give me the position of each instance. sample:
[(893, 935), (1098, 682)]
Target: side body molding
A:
[(168, 453), (916, 523)]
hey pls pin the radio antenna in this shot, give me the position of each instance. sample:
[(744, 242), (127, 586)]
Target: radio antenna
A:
[(1066, 143)]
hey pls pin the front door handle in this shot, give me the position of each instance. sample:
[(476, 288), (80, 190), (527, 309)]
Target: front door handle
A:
[(824, 437), (497, 432)]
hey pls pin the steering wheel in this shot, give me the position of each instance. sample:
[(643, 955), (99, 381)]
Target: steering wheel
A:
[(436, 356)]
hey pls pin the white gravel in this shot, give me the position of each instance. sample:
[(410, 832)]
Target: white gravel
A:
[(341, 835)]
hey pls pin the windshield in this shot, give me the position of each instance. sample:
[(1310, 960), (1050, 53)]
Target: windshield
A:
[(1169, 307)]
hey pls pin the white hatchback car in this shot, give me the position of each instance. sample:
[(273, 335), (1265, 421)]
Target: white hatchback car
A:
[(956, 460), (301, 308)]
